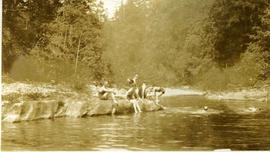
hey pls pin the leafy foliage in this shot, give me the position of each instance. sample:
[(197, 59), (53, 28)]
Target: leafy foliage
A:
[(64, 40), (236, 40), (24, 24), (229, 28), (76, 35), (261, 44)]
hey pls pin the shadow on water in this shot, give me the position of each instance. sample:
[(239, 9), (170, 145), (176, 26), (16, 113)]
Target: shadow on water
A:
[(184, 125)]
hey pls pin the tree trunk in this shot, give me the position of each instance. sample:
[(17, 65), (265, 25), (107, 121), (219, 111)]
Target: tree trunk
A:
[(65, 36), (77, 55), (70, 36), (8, 56)]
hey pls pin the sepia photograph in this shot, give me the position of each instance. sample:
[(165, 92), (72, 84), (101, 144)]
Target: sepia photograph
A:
[(135, 75)]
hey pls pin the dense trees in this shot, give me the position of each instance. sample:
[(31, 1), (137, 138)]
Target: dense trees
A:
[(215, 44), (23, 25), (260, 45), (160, 40), (76, 36), (236, 39), (208, 43), (52, 33), (230, 25)]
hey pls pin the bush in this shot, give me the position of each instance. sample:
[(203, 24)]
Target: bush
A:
[(13, 97), (49, 71), (213, 79), (7, 79), (245, 73), (79, 85)]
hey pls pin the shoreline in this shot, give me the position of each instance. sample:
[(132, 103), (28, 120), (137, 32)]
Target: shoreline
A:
[(45, 89), (23, 102), (241, 94)]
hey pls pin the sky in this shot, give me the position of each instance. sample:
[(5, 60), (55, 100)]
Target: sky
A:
[(111, 6)]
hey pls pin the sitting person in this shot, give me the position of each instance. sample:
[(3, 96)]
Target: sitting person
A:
[(104, 94), (159, 90)]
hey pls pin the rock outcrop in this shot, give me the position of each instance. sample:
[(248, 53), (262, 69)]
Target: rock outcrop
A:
[(50, 109), (25, 102)]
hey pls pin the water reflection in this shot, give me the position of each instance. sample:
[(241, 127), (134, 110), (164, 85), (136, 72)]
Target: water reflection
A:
[(183, 126)]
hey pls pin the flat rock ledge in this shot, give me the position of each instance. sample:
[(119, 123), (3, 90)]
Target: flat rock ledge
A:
[(50, 109)]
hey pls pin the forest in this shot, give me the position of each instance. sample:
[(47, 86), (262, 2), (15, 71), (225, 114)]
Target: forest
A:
[(208, 44)]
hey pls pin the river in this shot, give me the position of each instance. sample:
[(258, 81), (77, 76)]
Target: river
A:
[(184, 125)]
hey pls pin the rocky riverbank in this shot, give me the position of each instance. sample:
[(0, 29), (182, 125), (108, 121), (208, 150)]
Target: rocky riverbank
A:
[(23, 102)]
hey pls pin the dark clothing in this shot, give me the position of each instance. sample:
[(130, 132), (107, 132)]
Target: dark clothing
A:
[(142, 93), (101, 93)]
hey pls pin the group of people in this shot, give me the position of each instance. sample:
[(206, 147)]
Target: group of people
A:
[(135, 94)]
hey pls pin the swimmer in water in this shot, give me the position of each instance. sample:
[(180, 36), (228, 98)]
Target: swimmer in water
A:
[(104, 94)]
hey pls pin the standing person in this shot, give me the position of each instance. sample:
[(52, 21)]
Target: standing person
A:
[(104, 94), (132, 97), (142, 92), (132, 94), (133, 82)]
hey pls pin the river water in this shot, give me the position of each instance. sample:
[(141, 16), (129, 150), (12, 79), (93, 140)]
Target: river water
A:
[(184, 125)]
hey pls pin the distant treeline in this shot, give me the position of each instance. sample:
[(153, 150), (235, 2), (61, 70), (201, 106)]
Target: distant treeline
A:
[(206, 43)]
